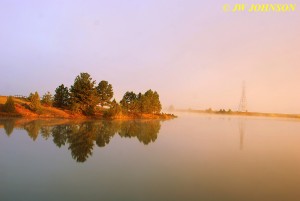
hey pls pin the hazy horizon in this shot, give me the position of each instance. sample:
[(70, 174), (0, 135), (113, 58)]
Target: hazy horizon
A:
[(191, 52)]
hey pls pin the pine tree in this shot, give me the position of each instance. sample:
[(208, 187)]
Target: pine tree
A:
[(105, 92), (143, 103), (83, 94), (151, 102), (128, 101), (156, 108), (61, 97)]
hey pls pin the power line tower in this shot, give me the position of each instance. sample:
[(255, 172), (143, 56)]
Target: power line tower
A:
[(243, 101)]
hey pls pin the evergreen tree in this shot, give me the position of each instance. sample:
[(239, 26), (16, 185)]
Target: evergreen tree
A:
[(47, 99), (151, 102), (156, 103), (9, 105), (105, 92), (83, 94), (139, 103), (128, 101), (61, 97), (143, 103)]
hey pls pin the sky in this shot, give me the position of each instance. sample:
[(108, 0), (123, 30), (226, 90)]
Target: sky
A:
[(191, 52)]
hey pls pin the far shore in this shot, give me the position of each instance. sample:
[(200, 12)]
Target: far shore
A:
[(236, 113)]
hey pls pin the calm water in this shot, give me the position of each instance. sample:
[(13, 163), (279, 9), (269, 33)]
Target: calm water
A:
[(193, 157)]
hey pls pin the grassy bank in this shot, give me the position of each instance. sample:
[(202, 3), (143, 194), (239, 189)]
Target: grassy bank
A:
[(23, 111)]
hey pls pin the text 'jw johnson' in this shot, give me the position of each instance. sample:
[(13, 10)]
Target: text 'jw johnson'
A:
[(255, 8)]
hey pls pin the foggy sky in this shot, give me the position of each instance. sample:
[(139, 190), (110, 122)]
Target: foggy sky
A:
[(191, 52)]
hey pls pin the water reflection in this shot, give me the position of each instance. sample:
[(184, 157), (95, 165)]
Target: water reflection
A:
[(8, 126), (242, 133), (80, 137)]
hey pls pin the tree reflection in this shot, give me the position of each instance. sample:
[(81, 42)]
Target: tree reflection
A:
[(145, 131), (106, 131), (60, 134), (80, 137), (81, 141), (33, 128), (45, 132), (8, 126)]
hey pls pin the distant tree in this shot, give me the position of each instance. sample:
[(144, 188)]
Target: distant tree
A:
[(222, 111), (9, 105), (83, 94), (47, 99), (61, 97), (35, 103), (105, 93), (171, 108), (209, 110)]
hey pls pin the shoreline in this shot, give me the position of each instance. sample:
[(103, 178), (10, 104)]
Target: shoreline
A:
[(162, 116), (247, 114), (49, 112)]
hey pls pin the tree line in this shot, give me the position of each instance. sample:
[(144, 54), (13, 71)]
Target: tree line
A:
[(85, 96)]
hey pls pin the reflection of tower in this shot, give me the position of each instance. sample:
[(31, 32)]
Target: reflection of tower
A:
[(243, 101), (242, 132)]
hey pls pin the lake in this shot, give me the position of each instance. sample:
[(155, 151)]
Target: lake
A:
[(193, 157)]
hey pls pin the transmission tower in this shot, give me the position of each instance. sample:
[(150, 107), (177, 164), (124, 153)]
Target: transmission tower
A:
[(243, 101)]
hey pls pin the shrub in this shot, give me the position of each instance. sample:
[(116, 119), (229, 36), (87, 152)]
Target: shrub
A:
[(9, 106), (114, 110), (35, 103), (47, 99)]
